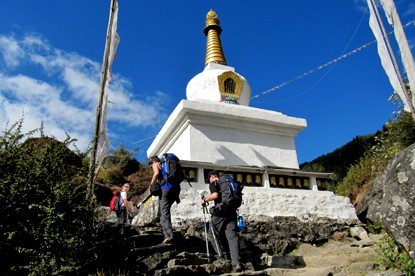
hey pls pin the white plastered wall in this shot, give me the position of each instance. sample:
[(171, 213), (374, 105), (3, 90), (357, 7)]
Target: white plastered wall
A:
[(227, 134)]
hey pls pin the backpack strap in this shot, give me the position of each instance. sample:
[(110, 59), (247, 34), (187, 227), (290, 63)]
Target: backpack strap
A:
[(185, 177)]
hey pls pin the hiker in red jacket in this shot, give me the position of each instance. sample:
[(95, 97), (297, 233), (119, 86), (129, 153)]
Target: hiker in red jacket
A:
[(125, 205)]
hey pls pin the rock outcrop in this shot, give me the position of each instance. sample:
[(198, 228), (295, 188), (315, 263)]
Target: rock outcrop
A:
[(391, 200), (127, 166)]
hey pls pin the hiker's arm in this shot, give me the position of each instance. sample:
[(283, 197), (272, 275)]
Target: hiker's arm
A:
[(156, 172), (210, 197), (127, 205)]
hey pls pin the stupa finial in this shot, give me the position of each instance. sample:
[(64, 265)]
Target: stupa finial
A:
[(214, 52)]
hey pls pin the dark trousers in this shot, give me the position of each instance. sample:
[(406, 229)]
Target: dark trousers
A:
[(167, 198), (122, 217), (225, 229)]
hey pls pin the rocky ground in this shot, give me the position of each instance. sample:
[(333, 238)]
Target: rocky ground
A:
[(353, 253), (347, 256)]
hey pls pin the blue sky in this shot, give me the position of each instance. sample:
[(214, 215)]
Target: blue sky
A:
[(51, 54)]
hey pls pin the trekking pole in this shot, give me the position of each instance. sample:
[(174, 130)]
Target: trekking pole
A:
[(212, 228), (206, 232)]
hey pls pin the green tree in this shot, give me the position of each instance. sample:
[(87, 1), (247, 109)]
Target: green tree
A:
[(340, 160), (122, 152)]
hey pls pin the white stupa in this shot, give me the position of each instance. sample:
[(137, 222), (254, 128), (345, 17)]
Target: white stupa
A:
[(215, 128), (216, 125)]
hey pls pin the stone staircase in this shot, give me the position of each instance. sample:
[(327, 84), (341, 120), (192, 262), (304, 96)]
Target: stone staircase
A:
[(141, 253), (324, 247)]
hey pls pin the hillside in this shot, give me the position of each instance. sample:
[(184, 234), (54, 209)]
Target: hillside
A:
[(339, 160), (51, 226), (394, 136)]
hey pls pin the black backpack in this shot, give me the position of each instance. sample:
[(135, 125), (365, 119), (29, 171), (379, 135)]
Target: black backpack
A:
[(230, 192)]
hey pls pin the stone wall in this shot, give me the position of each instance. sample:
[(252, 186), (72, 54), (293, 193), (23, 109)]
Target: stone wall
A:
[(305, 205)]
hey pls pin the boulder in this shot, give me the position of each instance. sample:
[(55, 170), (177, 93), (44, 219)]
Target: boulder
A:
[(148, 212), (391, 200), (37, 146), (128, 166)]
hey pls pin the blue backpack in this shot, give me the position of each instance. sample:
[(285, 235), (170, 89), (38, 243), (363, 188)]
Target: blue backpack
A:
[(171, 169)]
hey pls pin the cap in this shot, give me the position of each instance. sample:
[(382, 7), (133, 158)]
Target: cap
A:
[(210, 174)]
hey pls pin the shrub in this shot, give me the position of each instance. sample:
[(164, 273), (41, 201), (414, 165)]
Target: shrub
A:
[(111, 174), (47, 224), (394, 137), (375, 227), (122, 152), (392, 256)]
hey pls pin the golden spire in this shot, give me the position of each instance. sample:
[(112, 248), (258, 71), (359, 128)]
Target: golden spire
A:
[(214, 52)]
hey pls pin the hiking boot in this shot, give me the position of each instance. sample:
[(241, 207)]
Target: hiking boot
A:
[(237, 268), (167, 240), (226, 257), (221, 261)]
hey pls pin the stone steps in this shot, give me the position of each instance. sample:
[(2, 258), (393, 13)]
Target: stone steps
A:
[(145, 255)]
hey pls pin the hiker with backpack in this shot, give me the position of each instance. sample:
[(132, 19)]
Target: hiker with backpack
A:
[(125, 204), (168, 193), (224, 217)]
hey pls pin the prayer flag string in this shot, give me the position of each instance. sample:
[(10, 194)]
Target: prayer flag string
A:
[(322, 66)]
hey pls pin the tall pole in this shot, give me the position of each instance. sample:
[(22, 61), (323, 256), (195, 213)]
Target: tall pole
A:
[(101, 98), (395, 64)]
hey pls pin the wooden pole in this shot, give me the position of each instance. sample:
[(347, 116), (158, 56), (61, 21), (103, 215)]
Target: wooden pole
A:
[(104, 76)]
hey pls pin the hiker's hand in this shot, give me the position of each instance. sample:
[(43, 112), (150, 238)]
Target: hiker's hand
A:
[(203, 202)]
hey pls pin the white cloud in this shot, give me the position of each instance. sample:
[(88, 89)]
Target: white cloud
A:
[(11, 51), (63, 93)]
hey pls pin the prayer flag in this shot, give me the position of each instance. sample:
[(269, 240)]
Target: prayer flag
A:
[(110, 49), (385, 56), (406, 54)]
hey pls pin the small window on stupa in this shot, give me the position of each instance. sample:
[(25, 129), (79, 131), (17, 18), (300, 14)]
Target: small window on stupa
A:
[(230, 85)]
